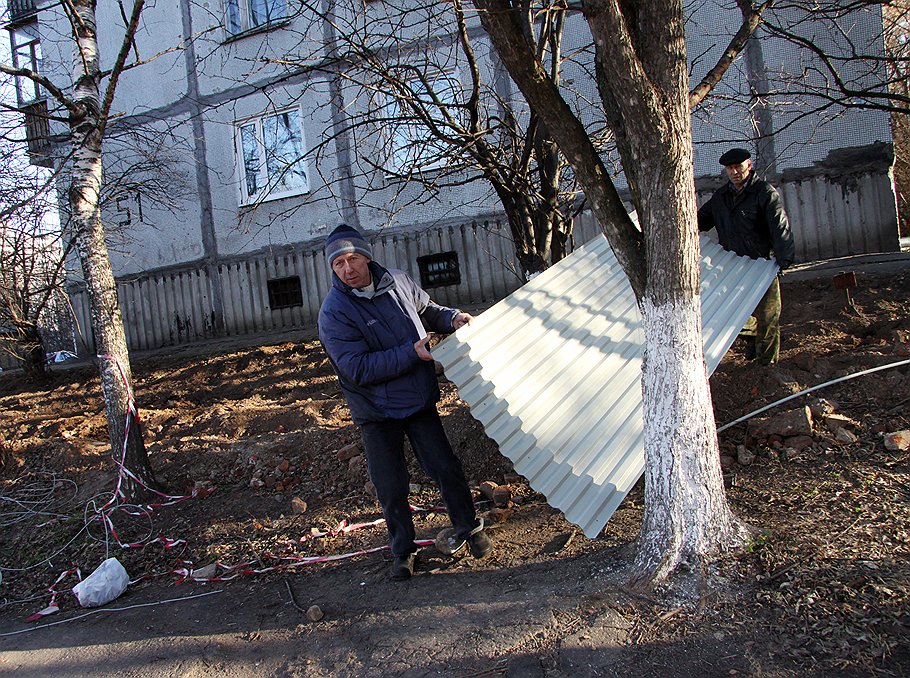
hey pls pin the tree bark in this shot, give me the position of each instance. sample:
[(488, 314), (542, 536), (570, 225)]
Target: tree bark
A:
[(640, 67), (34, 360), (124, 429)]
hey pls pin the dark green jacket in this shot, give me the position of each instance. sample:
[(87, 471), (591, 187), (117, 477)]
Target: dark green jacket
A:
[(750, 222)]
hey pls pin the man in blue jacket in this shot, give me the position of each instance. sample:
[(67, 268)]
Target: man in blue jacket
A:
[(373, 325), (750, 220)]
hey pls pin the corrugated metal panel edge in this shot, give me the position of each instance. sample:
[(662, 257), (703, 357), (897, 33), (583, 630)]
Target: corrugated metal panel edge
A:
[(553, 372)]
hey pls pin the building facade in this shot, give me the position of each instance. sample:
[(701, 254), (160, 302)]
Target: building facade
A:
[(247, 138)]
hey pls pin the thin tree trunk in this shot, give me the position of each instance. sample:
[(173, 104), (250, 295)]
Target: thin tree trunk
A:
[(33, 362), (107, 323)]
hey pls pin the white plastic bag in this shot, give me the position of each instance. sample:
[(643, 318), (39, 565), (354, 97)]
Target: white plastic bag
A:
[(103, 585)]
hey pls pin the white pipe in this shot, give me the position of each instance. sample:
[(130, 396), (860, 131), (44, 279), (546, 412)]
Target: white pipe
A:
[(814, 388)]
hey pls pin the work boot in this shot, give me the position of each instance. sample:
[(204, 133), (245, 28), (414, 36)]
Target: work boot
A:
[(402, 567), (480, 543), (750, 349)]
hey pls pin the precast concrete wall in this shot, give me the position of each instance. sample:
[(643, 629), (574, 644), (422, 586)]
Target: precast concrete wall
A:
[(833, 213), (173, 307)]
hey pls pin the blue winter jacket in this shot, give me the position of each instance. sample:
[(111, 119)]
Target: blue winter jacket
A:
[(370, 341)]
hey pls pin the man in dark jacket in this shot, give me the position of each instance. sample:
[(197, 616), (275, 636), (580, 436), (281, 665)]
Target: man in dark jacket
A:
[(750, 220), (373, 325)]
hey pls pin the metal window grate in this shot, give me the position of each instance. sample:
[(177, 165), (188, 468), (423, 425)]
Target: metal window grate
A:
[(37, 134), (285, 292), (440, 269)]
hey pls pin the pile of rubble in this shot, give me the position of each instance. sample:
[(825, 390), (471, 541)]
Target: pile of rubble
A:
[(814, 428)]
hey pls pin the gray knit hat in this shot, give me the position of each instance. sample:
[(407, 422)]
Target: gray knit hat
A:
[(345, 239)]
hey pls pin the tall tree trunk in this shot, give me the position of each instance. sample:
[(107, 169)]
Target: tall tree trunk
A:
[(640, 66), (687, 519), (84, 200)]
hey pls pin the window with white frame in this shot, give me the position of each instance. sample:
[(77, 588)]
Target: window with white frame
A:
[(270, 151), (26, 49), (244, 15), (412, 144)]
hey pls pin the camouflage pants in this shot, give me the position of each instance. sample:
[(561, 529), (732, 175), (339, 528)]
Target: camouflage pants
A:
[(764, 326)]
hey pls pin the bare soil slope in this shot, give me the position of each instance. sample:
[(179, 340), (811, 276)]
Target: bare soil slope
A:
[(256, 431)]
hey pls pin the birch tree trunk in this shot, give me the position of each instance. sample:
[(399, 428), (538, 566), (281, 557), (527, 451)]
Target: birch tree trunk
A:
[(86, 126)]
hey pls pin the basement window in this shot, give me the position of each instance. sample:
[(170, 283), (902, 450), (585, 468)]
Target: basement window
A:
[(440, 269), (285, 292)]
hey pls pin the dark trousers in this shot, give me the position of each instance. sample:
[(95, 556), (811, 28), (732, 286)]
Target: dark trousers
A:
[(767, 325), (383, 444), (763, 328)]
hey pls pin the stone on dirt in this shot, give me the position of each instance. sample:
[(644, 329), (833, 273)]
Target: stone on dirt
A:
[(314, 613), (836, 422), (800, 442), (487, 488), (206, 572), (898, 441), (846, 436), (497, 516), (790, 423), (804, 361), (348, 451), (502, 496), (744, 456), (298, 505)]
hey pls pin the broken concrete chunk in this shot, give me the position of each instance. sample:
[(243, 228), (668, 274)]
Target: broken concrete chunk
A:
[(203, 573), (846, 436), (744, 456), (502, 496), (791, 423), (487, 488), (800, 442)]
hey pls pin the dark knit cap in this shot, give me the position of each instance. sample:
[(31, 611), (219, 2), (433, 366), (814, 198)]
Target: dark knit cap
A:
[(345, 239), (734, 156)]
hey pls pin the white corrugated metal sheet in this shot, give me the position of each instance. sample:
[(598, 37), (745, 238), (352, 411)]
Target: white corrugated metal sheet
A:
[(553, 371)]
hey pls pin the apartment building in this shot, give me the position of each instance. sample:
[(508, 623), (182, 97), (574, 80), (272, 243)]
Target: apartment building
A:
[(244, 137)]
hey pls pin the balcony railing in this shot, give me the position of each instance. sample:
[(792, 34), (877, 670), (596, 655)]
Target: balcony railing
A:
[(21, 9)]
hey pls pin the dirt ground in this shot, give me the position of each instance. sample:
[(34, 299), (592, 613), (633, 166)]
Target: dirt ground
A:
[(822, 590)]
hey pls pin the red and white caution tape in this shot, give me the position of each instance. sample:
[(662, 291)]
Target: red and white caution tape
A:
[(104, 514), (52, 606)]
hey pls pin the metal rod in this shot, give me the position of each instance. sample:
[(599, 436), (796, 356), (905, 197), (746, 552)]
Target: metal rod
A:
[(809, 390)]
